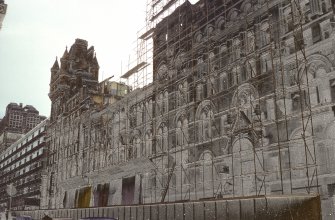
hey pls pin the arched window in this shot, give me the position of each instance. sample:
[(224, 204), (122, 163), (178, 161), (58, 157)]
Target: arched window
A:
[(236, 49), (223, 81), (250, 67), (182, 131), (148, 144), (159, 104), (139, 112), (220, 23), (199, 92), (162, 139), (136, 146), (224, 55), (265, 33), (166, 102), (237, 74), (231, 80), (182, 94), (250, 44), (205, 125)]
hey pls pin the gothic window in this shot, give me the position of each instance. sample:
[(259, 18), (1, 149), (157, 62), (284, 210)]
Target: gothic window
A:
[(223, 81), (223, 124), (182, 131), (205, 125), (316, 33), (139, 112), (244, 74), (198, 37), (236, 50), (266, 64), (264, 34), (250, 68), (245, 99), (233, 14), (211, 58), (199, 92), (220, 23), (148, 144), (165, 102), (288, 22), (250, 44), (231, 80), (122, 153), (201, 66), (223, 55), (237, 74), (315, 7), (137, 147), (209, 30), (182, 94), (148, 109), (247, 7), (162, 139), (159, 104)]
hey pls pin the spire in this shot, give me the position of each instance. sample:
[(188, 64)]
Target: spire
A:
[(95, 60), (55, 66), (66, 53)]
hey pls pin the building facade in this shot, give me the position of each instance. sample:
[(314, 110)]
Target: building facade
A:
[(17, 121), (21, 165), (241, 104), (3, 10)]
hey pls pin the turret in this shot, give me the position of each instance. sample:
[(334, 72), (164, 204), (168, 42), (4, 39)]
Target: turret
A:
[(64, 59), (55, 67)]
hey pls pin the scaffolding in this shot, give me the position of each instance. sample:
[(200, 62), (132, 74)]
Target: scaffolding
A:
[(221, 105), (244, 91)]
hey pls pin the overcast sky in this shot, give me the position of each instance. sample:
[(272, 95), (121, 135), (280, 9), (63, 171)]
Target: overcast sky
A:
[(34, 32)]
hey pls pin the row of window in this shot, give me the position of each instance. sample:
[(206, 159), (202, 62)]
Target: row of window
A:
[(21, 152), (24, 170), (17, 146)]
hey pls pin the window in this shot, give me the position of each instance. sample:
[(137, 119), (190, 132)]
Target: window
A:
[(315, 7), (316, 33)]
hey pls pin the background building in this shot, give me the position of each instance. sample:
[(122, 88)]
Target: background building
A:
[(3, 10), (21, 165), (241, 104), (17, 121)]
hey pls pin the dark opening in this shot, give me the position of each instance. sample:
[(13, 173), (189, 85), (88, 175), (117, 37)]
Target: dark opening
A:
[(317, 95), (333, 108), (316, 33), (332, 89), (128, 190)]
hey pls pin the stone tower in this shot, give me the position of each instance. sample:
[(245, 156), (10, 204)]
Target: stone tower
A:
[(74, 79)]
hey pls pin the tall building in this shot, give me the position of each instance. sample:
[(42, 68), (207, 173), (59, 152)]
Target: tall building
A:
[(21, 165), (74, 80), (241, 104), (3, 10), (74, 89), (17, 121)]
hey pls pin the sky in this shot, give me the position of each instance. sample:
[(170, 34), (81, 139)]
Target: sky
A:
[(34, 32)]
